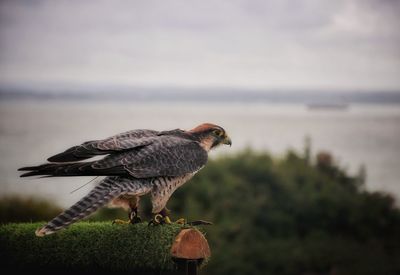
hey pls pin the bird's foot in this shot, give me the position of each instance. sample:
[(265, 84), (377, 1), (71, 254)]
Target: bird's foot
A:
[(160, 219), (133, 218), (118, 221)]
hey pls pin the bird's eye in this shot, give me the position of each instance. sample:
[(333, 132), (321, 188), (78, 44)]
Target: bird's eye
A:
[(218, 132)]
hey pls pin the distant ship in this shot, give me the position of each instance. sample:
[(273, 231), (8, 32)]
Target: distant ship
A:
[(328, 106)]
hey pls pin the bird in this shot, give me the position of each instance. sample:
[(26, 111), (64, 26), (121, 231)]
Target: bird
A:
[(134, 163)]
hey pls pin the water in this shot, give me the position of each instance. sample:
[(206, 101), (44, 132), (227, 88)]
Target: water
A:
[(30, 131)]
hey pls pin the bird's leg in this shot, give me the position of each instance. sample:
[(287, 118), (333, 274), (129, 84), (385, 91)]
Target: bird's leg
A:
[(133, 203), (163, 218), (134, 217), (165, 215)]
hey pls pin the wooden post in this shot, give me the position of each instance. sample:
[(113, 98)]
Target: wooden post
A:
[(189, 250)]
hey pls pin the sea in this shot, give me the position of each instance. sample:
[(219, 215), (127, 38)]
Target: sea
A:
[(358, 135)]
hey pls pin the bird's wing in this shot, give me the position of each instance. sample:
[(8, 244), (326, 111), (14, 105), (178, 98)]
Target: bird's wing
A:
[(166, 156), (120, 142)]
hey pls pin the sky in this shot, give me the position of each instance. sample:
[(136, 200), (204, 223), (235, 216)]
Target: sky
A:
[(257, 44)]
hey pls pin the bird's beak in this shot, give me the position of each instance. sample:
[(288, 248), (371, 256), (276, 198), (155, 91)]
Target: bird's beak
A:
[(227, 140)]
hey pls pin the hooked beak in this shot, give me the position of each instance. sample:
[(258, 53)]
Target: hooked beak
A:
[(227, 140)]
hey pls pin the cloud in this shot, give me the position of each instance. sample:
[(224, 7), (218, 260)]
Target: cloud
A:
[(350, 44)]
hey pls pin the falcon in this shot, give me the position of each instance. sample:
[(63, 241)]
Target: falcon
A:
[(134, 163)]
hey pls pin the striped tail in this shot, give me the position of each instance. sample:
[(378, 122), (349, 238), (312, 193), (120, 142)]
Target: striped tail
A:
[(108, 189), (71, 169)]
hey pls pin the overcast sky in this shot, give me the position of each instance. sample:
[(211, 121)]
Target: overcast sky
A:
[(341, 44)]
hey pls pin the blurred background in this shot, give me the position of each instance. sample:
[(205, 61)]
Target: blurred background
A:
[(309, 92)]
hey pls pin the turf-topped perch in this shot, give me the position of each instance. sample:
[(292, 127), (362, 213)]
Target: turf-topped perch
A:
[(88, 247)]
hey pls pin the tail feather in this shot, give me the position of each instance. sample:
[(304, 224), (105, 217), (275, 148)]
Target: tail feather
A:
[(51, 169), (70, 169), (102, 194), (27, 168), (78, 153)]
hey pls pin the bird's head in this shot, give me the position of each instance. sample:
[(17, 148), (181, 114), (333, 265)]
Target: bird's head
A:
[(211, 135)]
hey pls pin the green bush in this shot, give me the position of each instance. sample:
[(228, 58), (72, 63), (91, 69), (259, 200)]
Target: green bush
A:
[(19, 209), (291, 215)]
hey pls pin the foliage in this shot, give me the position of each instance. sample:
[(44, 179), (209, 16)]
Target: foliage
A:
[(18, 209), (292, 215)]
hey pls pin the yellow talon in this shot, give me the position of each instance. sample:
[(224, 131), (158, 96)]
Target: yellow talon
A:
[(160, 219), (118, 221)]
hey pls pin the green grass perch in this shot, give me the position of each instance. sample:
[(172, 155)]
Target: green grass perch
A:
[(101, 246)]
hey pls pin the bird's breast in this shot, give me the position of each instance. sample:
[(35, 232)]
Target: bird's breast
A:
[(172, 183)]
